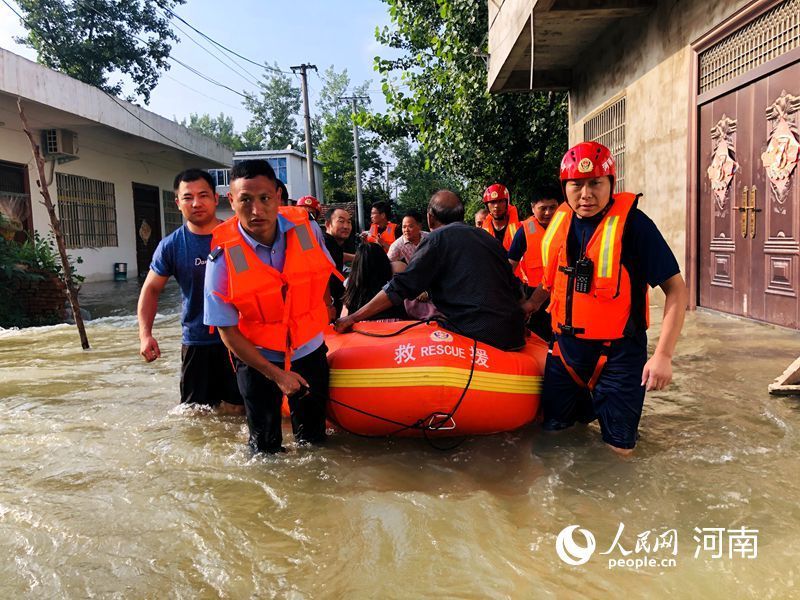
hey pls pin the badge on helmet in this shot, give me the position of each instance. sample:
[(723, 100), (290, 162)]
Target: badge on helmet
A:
[(588, 159), (495, 192), (310, 202)]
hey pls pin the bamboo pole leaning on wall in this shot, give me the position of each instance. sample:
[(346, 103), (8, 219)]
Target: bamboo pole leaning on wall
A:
[(72, 293)]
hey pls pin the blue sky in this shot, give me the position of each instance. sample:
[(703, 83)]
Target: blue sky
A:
[(321, 32)]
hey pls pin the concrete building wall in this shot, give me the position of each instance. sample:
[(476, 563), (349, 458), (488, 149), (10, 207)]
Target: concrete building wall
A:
[(104, 161), (296, 176), (298, 180), (648, 61), (34, 82), (118, 142)]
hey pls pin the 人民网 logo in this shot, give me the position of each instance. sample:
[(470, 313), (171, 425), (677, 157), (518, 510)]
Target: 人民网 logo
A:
[(569, 551), (441, 336)]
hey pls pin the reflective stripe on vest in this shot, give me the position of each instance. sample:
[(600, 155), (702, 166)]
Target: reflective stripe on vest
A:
[(606, 262), (531, 261), (238, 259), (604, 312), (552, 229), (304, 237), (278, 310)]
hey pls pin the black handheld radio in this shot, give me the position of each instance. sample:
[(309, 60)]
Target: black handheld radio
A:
[(584, 267)]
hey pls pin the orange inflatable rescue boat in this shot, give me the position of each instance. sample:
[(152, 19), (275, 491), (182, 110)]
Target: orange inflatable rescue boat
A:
[(427, 381)]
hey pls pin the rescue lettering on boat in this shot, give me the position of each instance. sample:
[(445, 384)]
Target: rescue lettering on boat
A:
[(405, 353), (443, 349)]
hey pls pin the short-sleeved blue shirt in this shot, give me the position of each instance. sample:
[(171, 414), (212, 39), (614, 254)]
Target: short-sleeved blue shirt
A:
[(182, 255), (519, 245), (223, 314)]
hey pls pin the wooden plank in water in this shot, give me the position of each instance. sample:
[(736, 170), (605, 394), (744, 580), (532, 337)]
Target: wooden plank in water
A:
[(789, 381)]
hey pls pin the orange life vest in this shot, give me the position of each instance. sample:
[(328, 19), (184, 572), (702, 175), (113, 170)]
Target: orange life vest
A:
[(531, 263), (511, 230), (389, 234), (603, 313), (278, 310)]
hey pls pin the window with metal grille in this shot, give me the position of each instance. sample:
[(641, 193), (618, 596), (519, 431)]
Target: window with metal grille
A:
[(608, 128), (774, 33), (172, 216), (88, 211)]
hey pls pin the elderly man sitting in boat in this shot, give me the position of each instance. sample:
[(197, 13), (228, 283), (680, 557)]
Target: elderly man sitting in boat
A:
[(468, 277)]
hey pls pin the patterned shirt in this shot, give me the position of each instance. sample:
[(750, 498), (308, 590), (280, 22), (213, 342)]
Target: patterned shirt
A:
[(403, 249)]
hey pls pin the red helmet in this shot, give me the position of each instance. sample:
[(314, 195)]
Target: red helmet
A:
[(310, 202), (588, 159), (495, 192)]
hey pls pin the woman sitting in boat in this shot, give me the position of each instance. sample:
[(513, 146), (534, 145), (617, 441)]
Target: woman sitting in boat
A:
[(370, 272)]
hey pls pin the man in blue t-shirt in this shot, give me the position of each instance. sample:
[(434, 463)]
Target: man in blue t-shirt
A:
[(207, 375)]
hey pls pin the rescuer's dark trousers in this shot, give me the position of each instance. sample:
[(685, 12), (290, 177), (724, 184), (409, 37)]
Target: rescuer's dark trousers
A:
[(263, 399)]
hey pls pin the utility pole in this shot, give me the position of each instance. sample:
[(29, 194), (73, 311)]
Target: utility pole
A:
[(312, 181), (357, 158)]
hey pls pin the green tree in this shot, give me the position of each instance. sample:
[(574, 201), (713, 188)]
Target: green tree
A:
[(95, 40), (437, 94), (415, 179), (333, 124), (219, 128), (273, 125)]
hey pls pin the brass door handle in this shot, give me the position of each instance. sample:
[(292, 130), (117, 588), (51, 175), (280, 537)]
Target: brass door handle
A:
[(753, 211), (743, 210)]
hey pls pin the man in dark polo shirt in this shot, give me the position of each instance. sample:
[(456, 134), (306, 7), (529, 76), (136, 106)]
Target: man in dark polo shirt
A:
[(468, 277), (338, 226)]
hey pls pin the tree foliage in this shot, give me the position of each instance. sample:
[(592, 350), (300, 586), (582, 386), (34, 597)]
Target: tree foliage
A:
[(416, 179), (220, 128), (95, 41), (273, 125), (333, 127), (436, 92)]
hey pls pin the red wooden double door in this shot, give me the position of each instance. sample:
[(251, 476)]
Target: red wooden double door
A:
[(749, 202)]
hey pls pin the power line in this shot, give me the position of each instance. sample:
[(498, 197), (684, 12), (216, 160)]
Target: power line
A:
[(116, 101), (196, 91), (251, 79), (135, 116), (224, 47), (208, 79), (171, 58)]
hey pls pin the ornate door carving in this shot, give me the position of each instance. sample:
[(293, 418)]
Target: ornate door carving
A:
[(749, 200), (723, 162)]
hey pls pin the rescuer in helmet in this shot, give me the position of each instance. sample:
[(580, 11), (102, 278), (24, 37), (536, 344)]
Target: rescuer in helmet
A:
[(311, 204), (502, 221), (525, 253), (600, 254)]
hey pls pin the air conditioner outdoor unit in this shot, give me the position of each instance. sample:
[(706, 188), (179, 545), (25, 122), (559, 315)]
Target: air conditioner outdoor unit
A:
[(60, 144)]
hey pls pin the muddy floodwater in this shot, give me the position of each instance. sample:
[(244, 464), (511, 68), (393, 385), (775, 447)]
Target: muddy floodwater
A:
[(108, 489)]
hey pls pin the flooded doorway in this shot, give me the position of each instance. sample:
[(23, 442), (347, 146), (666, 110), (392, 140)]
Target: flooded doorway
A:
[(748, 147), (147, 221), (15, 200)]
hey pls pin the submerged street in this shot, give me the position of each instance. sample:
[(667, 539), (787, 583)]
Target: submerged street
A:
[(111, 489)]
